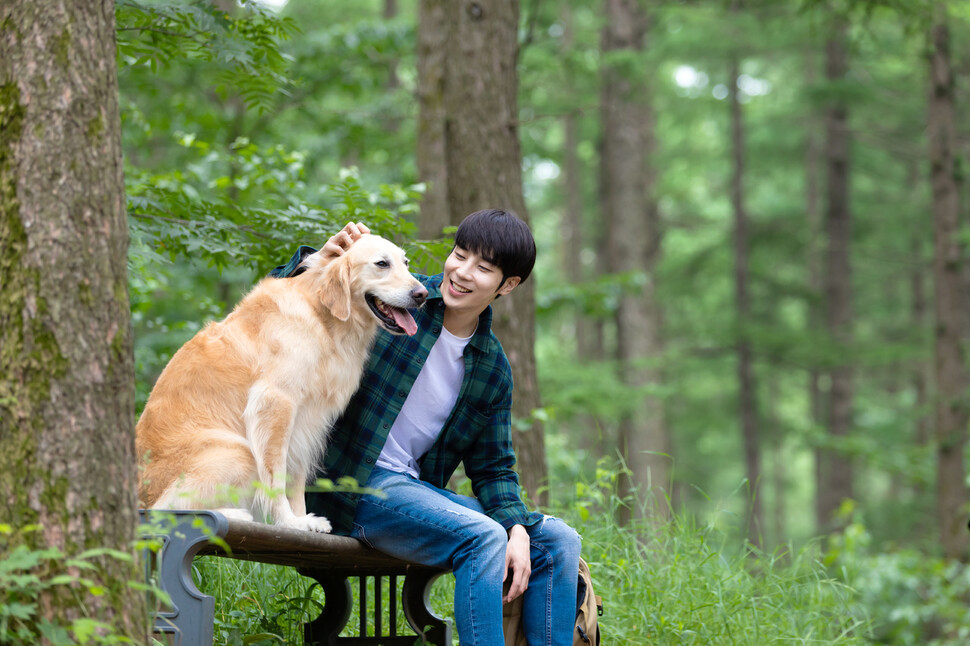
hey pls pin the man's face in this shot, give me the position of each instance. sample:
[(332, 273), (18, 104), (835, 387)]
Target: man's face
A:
[(471, 283)]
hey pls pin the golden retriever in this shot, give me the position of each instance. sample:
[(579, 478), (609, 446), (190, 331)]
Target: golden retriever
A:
[(239, 417)]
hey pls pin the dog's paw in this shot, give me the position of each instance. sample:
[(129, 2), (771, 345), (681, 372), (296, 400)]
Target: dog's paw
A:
[(310, 523)]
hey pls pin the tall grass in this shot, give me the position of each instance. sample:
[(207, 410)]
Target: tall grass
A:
[(680, 581), (676, 581)]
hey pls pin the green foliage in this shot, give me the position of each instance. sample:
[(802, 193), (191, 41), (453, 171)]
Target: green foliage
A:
[(218, 193), (29, 574), (172, 217), (911, 599), (245, 49)]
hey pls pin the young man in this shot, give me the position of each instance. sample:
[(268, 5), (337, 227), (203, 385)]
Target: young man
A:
[(436, 399)]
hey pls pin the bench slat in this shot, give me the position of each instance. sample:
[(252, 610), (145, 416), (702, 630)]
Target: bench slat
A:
[(253, 541)]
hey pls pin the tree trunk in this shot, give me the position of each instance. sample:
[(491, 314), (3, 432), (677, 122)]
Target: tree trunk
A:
[(747, 388), (67, 462), (921, 370), (590, 435), (634, 238), (433, 30), (572, 187), (952, 412), (815, 315), (484, 170), (393, 79), (779, 465), (836, 469)]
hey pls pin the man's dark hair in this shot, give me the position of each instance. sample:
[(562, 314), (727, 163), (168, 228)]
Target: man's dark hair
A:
[(501, 238)]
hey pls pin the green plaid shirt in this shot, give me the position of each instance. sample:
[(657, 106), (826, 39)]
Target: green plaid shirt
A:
[(477, 433)]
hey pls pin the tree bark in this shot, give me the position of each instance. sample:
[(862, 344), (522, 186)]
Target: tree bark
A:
[(393, 79), (921, 369), (779, 465), (433, 29), (483, 159), (67, 462), (573, 231), (952, 412), (836, 481), (815, 315), (634, 239), (747, 387), (590, 434)]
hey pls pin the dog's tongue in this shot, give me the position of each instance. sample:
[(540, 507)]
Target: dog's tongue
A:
[(403, 318)]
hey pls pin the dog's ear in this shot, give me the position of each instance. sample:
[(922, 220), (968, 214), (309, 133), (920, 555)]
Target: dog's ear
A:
[(335, 291)]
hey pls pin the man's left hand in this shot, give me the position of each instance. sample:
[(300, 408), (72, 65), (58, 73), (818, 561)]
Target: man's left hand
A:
[(518, 561)]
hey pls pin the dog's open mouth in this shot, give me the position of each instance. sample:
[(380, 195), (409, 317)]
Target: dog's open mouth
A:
[(396, 320)]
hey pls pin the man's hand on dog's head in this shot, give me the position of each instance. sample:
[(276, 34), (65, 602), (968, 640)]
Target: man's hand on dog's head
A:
[(340, 242)]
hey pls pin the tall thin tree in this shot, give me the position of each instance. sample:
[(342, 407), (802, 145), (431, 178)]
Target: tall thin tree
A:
[(952, 408), (747, 387), (835, 482), (634, 242)]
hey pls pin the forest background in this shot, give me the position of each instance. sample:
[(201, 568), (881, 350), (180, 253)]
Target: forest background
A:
[(749, 305)]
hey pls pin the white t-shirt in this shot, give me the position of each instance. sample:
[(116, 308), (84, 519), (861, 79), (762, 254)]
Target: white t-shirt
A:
[(427, 406)]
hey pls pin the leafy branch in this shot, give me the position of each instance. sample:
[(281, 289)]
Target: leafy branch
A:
[(245, 47)]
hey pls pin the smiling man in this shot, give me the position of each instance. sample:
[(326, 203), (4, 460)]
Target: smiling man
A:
[(441, 398)]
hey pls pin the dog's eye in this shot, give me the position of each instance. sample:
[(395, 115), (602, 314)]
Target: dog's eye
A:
[(382, 264)]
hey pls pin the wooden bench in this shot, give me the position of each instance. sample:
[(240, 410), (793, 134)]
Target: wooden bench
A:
[(329, 560)]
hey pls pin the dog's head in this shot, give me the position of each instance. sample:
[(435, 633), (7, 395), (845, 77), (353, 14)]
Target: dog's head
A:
[(372, 279)]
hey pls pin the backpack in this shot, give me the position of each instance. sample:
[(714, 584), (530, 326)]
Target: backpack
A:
[(589, 608)]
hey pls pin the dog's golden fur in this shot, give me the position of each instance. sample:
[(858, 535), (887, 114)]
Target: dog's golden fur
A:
[(250, 399)]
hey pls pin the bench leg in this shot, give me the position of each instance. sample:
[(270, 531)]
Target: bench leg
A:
[(415, 596), (189, 621), (325, 629)]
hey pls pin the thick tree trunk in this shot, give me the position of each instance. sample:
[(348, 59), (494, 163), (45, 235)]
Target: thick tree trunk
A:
[(634, 238), (67, 461), (747, 388), (393, 79), (952, 410), (433, 30), (836, 481), (484, 170)]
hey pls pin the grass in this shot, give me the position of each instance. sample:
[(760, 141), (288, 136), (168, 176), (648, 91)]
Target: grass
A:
[(678, 583), (258, 604)]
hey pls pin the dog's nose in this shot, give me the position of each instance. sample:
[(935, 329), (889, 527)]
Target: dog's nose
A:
[(419, 294)]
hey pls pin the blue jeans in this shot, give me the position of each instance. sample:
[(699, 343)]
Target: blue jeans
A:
[(423, 524)]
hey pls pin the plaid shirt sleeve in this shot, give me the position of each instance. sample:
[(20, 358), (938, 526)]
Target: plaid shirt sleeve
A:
[(489, 465)]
